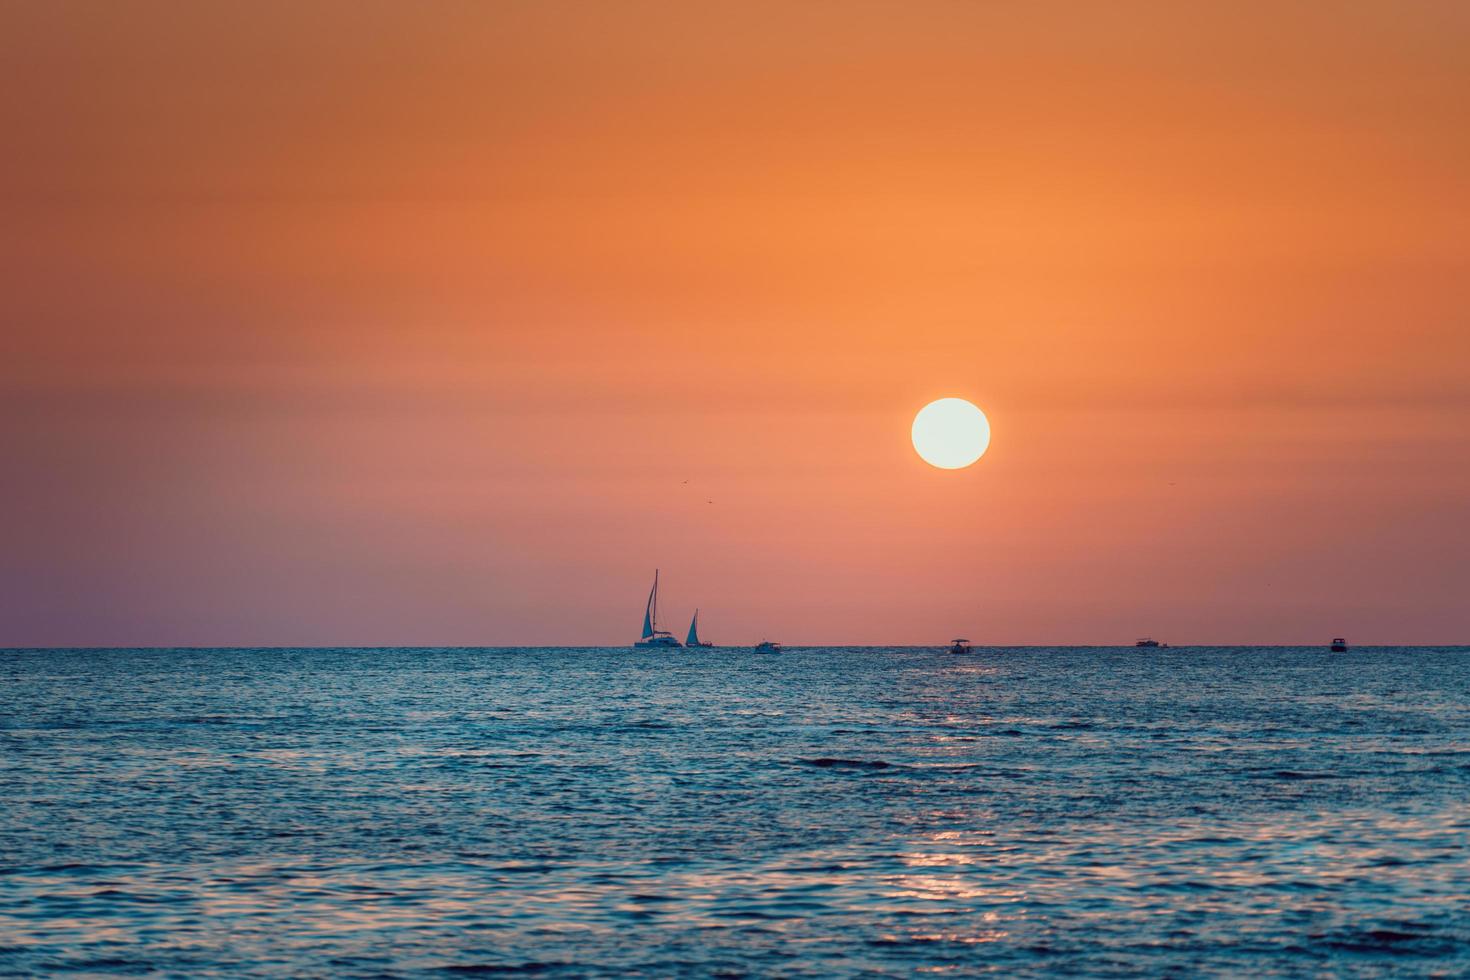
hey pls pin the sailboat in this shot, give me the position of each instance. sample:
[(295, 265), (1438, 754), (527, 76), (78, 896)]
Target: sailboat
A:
[(652, 635), (693, 639)]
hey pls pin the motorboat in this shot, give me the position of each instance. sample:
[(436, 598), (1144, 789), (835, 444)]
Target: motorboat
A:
[(652, 635), (768, 646), (959, 646), (1339, 645)]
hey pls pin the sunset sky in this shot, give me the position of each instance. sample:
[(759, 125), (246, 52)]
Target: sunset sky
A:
[(405, 323)]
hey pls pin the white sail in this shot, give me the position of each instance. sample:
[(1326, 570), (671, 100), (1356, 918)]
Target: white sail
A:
[(648, 613), (693, 640)]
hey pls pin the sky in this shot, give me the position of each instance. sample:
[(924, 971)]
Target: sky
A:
[(370, 323)]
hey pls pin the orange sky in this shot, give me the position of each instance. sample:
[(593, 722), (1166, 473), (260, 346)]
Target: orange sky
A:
[(381, 323)]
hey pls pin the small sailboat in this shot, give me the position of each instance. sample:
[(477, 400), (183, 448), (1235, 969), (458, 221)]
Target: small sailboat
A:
[(1339, 645), (693, 639), (959, 646), (652, 635)]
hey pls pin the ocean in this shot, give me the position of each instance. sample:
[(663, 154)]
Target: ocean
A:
[(823, 812)]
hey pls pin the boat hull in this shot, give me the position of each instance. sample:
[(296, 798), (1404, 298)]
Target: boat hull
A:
[(658, 642)]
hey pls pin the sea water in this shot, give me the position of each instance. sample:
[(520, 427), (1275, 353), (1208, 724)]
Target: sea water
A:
[(822, 812)]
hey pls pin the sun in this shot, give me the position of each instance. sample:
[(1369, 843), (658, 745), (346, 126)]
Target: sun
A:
[(951, 433)]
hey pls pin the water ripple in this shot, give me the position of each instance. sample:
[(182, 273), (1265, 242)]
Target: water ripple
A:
[(381, 813)]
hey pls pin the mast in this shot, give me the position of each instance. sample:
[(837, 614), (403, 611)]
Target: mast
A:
[(648, 610)]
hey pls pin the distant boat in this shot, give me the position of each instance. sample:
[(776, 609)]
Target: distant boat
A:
[(1151, 644), (652, 635), (694, 640), (959, 646), (1339, 645), (768, 646)]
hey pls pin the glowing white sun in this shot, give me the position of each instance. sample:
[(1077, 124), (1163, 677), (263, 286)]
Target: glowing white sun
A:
[(951, 433)]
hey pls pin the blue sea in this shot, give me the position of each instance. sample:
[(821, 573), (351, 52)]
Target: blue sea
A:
[(823, 812)]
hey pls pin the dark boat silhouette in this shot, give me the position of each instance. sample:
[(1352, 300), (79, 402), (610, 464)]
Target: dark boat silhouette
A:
[(652, 635), (694, 640)]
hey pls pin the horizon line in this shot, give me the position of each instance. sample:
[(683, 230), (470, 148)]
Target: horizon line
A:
[(745, 646)]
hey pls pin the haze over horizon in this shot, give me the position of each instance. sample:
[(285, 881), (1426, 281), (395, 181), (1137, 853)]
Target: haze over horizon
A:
[(342, 324)]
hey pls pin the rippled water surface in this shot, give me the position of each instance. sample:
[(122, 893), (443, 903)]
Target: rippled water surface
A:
[(364, 813)]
